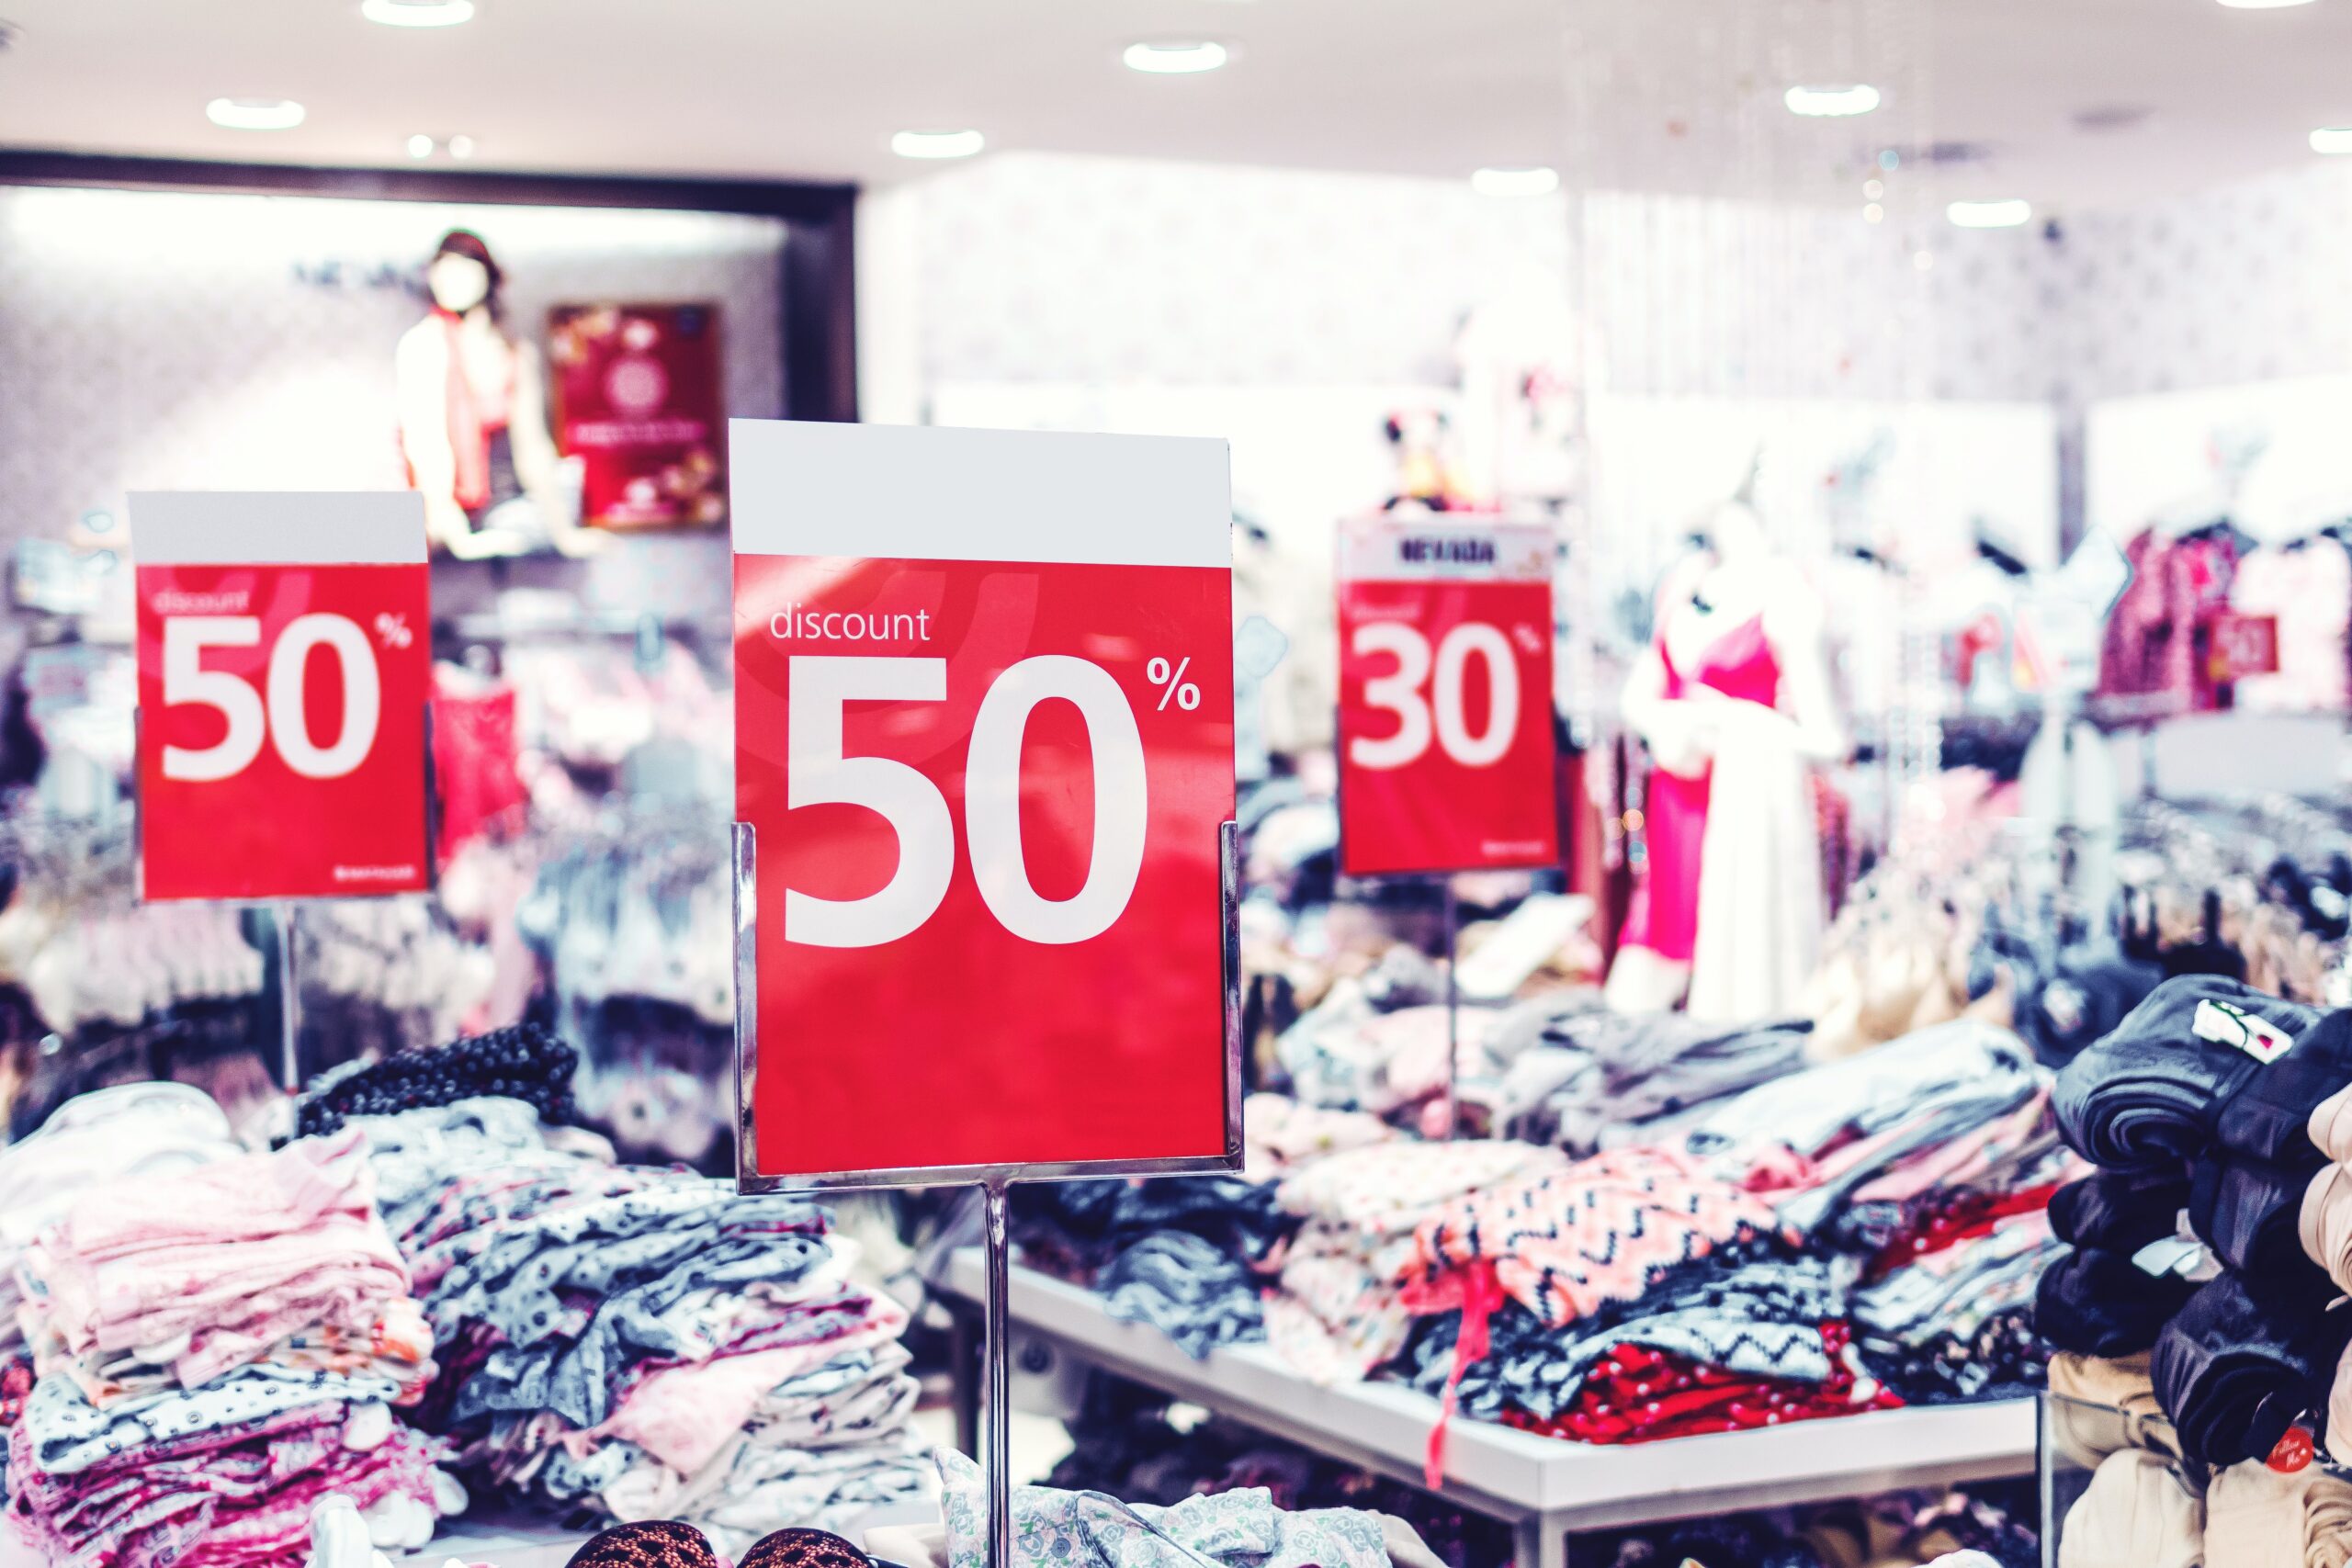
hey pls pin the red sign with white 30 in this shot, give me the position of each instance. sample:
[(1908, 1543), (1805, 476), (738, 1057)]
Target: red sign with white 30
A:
[(281, 694), (1446, 744)]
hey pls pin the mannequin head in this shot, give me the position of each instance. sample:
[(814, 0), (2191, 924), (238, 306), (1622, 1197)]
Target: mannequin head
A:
[(1736, 534), (462, 274)]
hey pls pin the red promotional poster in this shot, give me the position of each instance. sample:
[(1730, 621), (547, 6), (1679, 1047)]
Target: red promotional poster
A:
[(1447, 745), (284, 661), (639, 400), (984, 746)]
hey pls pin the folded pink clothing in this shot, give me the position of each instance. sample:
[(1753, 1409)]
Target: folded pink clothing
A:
[(150, 1297), (250, 1198), (1964, 1159), (233, 1510), (684, 1415)]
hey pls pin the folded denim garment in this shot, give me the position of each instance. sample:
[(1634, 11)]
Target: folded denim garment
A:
[(2102, 1303), (1188, 1290), (2200, 1064), (2250, 1211), (2120, 1210), (2236, 1370)]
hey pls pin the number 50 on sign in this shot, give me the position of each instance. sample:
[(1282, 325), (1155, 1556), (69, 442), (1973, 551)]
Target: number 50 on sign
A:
[(283, 677), (984, 746)]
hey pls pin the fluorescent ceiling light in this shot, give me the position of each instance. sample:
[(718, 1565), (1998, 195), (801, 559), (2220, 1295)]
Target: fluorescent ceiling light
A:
[(2333, 140), (2262, 4), (2006, 214), (937, 143), (1175, 59), (418, 13), (1515, 181), (420, 145), (1833, 103), (254, 114)]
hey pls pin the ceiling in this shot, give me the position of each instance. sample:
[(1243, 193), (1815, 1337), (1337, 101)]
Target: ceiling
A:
[(1674, 94)]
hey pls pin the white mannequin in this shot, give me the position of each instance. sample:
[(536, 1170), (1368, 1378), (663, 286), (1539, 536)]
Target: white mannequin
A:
[(1736, 578), (501, 372)]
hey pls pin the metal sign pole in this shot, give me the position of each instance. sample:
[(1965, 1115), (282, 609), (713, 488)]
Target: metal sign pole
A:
[(289, 999), (1453, 1012), (996, 1356)]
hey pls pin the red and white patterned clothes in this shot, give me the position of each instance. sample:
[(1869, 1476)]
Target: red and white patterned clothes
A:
[(1604, 1229), (1339, 1310)]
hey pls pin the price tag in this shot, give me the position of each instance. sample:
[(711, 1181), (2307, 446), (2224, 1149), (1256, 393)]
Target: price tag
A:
[(284, 666), (1446, 744), (2244, 645), (984, 746)]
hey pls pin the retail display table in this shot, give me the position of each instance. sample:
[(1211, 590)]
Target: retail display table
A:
[(1544, 1488)]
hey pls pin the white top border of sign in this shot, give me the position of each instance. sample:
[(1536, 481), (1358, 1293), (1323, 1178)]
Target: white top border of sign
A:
[(383, 527), (929, 492), (1375, 549)]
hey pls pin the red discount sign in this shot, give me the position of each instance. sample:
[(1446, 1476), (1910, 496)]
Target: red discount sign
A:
[(1446, 747), (283, 674), (984, 749)]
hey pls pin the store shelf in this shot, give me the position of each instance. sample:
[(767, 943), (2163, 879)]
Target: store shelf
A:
[(1544, 1485)]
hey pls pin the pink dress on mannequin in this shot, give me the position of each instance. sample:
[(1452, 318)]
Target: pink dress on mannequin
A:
[(1665, 917)]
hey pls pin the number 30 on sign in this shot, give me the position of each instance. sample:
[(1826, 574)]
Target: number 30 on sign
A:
[(283, 674), (984, 742), (1446, 734)]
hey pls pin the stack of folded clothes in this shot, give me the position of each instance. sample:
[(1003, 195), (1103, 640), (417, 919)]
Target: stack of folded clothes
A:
[(1338, 1310), (1598, 1080), (1647, 1298), (2206, 1113), (217, 1352), (644, 1342), (1179, 1254), (149, 1130), (1954, 1322)]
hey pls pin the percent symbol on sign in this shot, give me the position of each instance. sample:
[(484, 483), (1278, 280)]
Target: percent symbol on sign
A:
[(1172, 683), (392, 630)]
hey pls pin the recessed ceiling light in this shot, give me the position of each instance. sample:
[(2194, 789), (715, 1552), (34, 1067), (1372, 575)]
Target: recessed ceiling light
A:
[(937, 143), (420, 145), (1515, 181), (1175, 59), (461, 147), (2333, 140), (418, 13), (2005, 214), (254, 114), (1833, 103)]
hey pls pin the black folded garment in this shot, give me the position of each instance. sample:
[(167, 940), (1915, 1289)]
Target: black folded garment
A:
[(2102, 1303), (2248, 1211), (2235, 1370), (2120, 1212), (2155, 1094), (2269, 1116)]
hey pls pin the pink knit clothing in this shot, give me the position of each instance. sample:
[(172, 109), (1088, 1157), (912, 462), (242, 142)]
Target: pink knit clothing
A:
[(216, 1267), (1664, 914)]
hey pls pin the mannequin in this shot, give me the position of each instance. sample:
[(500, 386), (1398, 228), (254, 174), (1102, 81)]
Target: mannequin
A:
[(473, 418), (1735, 686)]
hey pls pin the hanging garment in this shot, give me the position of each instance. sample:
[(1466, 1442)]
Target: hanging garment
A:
[(1740, 665), (2308, 587), (2157, 661), (1759, 932)]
